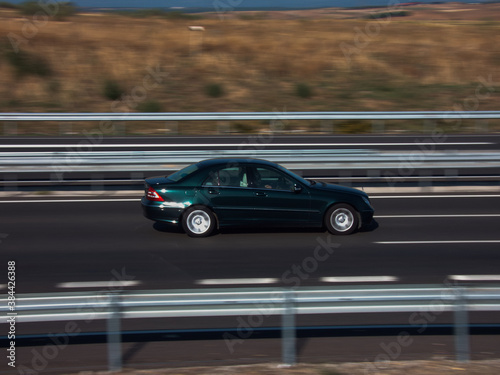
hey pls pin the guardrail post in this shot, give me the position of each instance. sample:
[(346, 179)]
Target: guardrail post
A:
[(288, 329), (114, 334), (429, 126), (223, 127), (378, 126), (65, 128), (97, 181), (11, 180), (120, 128), (172, 127), (462, 349), (9, 128), (327, 126), (481, 126)]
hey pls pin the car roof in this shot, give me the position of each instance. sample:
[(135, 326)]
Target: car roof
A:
[(233, 161)]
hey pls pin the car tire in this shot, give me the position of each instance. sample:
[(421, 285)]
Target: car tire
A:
[(341, 219), (198, 221)]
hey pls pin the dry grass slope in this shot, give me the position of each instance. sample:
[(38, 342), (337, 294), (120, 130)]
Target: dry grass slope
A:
[(349, 64)]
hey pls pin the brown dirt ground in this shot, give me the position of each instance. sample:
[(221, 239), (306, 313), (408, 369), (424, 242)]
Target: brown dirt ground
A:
[(391, 368)]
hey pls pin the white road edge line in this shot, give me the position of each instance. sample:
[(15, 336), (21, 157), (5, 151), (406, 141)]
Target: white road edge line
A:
[(475, 277), (98, 284), (431, 216), (435, 242), (269, 280), (73, 200), (183, 145), (358, 279)]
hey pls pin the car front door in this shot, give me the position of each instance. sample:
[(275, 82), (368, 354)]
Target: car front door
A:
[(277, 197)]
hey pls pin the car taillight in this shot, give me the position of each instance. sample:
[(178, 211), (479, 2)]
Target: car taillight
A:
[(152, 195)]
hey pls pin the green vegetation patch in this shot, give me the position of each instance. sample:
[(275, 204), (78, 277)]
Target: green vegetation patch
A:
[(214, 90), (28, 63), (112, 90), (303, 90), (62, 11), (7, 5), (400, 13), (157, 12), (149, 106)]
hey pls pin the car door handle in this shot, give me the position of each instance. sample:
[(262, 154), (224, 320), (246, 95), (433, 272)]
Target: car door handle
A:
[(213, 191), (261, 194)]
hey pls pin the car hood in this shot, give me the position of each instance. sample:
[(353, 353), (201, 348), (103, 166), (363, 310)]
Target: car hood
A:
[(337, 188)]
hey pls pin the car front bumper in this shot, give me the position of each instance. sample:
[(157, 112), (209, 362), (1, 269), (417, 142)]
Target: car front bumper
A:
[(366, 217)]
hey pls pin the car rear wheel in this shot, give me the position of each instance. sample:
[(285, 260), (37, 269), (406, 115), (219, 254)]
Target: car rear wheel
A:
[(198, 222), (341, 219)]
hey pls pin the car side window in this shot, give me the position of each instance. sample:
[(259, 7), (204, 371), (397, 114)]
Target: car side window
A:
[(228, 177), (266, 178)]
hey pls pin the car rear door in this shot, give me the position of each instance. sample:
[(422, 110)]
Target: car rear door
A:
[(226, 191)]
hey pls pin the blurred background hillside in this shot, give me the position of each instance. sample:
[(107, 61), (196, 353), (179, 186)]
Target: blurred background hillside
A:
[(421, 57)]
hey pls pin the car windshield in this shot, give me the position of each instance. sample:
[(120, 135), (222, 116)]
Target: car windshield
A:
[(179, 175)]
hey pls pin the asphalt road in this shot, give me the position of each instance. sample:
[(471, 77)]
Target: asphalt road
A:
[(419, 239)]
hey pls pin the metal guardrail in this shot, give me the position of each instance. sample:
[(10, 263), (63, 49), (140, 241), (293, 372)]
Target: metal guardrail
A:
[(15, 164), (231, 116), (253, 302), (100, 161)]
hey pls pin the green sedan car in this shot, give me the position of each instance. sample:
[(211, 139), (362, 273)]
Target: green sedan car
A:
[(249, 192)]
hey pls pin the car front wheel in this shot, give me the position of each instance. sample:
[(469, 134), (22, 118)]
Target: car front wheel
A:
[(341, 219), (198, 222)]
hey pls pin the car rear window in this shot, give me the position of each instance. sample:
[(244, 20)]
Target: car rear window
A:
[(179, 175)]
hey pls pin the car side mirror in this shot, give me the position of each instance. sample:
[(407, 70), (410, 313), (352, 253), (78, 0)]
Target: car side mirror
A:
[(297, 188)]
